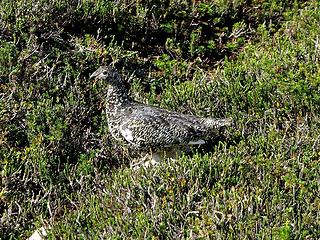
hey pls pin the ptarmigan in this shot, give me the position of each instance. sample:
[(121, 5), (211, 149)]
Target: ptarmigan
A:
[(144, 127)]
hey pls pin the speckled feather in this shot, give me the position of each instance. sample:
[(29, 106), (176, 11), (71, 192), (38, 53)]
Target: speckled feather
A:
[(142, 126)]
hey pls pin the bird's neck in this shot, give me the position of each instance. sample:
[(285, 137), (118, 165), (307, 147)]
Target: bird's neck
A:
[(117, 96)]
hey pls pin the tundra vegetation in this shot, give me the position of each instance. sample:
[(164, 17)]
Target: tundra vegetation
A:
[(254, 61)]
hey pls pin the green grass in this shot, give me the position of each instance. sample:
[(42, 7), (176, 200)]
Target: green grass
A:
[(254, 61)]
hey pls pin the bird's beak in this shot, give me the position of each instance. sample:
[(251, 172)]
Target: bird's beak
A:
[(94, 74)]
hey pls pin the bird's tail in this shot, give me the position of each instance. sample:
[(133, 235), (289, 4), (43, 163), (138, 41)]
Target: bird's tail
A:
[(218, 123)]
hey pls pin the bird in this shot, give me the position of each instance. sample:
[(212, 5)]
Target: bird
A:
[(149, 128)]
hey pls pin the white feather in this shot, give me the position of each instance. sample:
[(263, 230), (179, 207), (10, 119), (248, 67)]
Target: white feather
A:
[(127, 134), (199, 142)]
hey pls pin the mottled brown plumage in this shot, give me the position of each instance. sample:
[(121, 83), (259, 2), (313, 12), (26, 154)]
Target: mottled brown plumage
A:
[(147, 127)]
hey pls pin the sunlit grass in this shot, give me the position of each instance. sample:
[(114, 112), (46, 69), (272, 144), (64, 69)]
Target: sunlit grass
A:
[(60, 168)]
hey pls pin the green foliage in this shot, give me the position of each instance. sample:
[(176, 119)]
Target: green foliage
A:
[(7, 56), (255, 61)]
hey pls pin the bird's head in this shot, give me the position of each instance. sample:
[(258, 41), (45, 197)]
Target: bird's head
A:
[(108, 74)]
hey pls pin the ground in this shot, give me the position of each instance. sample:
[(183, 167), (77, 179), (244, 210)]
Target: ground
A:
[(256, 62)]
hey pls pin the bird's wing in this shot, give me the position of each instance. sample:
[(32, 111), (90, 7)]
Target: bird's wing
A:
[(155, 127)]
